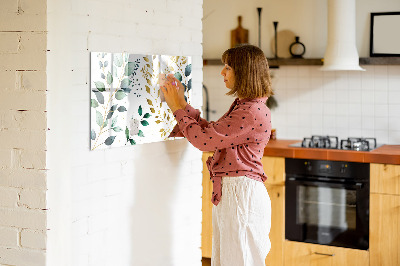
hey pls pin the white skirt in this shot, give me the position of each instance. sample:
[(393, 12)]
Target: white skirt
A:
[(241, 223)]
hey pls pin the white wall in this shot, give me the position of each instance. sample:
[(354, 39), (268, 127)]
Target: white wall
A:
[(311, 102), (306, 19), (136, 205), (23, 133)]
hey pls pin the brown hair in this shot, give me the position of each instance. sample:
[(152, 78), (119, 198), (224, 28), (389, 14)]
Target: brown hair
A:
[(250, 66)]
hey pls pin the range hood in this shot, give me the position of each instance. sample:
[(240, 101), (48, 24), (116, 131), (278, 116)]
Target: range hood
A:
[(341, 51)]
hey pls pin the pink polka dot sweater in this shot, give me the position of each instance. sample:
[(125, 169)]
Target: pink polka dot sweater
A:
[(238, 139)]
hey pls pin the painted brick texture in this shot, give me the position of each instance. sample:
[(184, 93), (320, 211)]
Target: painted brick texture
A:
[(23, 126), (138, 205)]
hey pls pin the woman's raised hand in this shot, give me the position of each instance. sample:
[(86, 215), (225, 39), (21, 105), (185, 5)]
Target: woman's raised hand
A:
[(174, 93)]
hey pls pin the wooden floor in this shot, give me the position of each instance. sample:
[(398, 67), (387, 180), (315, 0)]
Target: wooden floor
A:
[(206, 261)]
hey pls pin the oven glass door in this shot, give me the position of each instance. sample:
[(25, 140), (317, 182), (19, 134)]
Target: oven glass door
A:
[(326, 213)]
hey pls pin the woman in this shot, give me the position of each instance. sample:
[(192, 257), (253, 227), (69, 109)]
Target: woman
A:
[(242, 208)]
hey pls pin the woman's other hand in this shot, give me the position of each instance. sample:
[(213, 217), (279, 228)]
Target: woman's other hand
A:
[(174, 93)]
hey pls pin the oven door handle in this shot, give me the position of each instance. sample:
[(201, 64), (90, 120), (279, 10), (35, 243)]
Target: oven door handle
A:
[(357, 185)]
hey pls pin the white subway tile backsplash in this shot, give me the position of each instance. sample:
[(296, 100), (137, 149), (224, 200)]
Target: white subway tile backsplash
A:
[(381, 122), (355, 96), (355, 122), (394, 83), (342, 122), (382, 136), (381, 110), (292, 83), (394, 97), (291, 71), (367, 110), (394, 110), (381, 97), (394, 123), (381, 84), (380, 71), (347, 103), (368, 122), (394, 136), (367, 96), (329, 109)]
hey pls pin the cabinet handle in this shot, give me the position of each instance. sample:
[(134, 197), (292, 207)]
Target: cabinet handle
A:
[(324, 254)]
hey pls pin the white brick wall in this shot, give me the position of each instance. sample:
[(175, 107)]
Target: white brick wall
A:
[(23, 126), (136, 205)]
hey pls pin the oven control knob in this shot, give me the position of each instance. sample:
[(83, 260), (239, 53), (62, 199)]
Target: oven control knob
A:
[(308, 166), (343, 168)]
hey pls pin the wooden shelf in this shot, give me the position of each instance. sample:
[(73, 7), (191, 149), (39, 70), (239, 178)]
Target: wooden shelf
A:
[(274, 63), (380, 61)]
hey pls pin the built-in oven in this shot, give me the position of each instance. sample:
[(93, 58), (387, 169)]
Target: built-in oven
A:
[(327, 202)]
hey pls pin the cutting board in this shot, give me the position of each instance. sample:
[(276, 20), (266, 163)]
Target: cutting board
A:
[(239, 35)]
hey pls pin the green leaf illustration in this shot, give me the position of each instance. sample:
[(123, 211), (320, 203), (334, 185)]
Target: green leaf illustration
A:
[(119, 95), (132, 142), (118, 60), (144, 123), (92, 135), (127, 133), (94, 103), (189, 86), (109, 140), (105, 63), (99, 119), (146, 115), (129, 68), (126, 90), (178, 76), (100, 64), (112, 110), (115, 71), (125, 83), (109, 78), (140, 110), (188, 70), (102, 76), (100, 85), (122, 109), (117, 129), (140, 134), (114, 121), (99, 96)]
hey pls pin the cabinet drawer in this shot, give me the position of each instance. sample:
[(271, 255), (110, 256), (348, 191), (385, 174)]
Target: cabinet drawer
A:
[(304, 254)]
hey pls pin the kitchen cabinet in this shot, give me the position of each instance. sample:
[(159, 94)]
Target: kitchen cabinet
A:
[(385, 215), (385, 178), (206, 226), (274, 168), (305, 254)]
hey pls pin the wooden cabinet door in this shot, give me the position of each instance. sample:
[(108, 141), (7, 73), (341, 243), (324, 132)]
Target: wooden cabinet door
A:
[(274, 168), (304, 254), (385, 178), (384, 237), (277, 233), (206, 226)]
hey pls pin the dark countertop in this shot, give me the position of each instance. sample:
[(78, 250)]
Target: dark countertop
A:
[(389, 154)]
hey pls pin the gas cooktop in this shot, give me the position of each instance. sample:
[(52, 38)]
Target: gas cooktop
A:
[(332, 142)]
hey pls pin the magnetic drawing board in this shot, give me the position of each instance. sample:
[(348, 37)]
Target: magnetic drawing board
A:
[(126, 105)]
